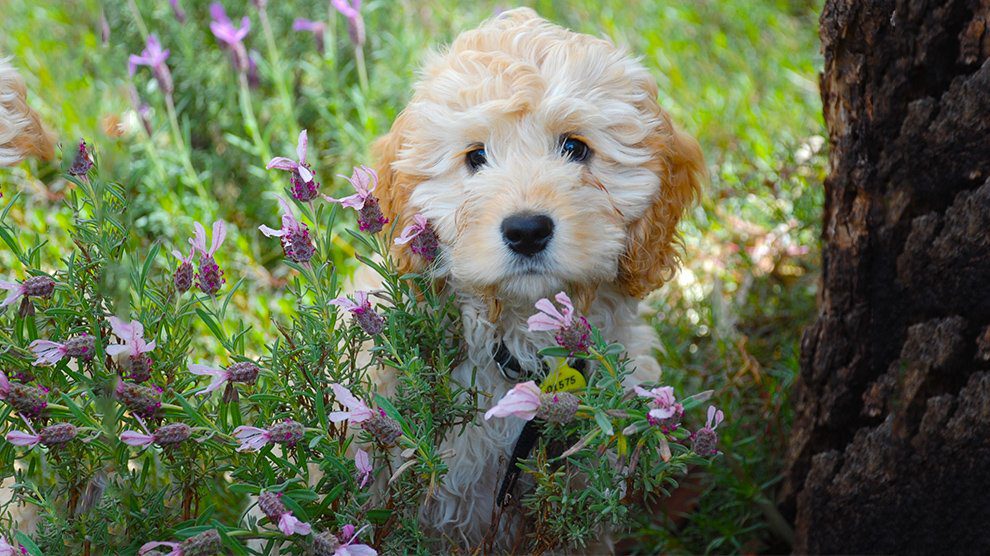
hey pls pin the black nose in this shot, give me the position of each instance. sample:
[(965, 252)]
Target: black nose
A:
[(527, 234)]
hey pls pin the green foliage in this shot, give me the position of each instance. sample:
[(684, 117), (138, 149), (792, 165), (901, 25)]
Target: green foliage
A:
[(740, 76)]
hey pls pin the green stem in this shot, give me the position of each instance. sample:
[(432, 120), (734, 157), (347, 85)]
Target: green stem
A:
[(279, 75), (362, 70), (138, 20), (250, 121), (181, 144)]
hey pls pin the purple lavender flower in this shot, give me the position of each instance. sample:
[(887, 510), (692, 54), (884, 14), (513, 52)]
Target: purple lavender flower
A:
[(52, 435), (154, 57), (183, 277), (27, 400), (271, 505), (303, 180), (35, 286), (421, 237), (370, 217), (705, 441), (167, 435), (244, 372), (82, 347), (294, 235), (210, 278), (317, 28), (230, 36), (134, 359), (207, 542), (143, 401), (287, 432), (82, 164), (359, 306), (177, 11), (572, 331), (351, 9)]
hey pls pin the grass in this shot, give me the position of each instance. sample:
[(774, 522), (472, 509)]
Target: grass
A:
[(739, 75)]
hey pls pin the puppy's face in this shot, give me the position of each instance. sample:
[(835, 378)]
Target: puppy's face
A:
[(543, 162)]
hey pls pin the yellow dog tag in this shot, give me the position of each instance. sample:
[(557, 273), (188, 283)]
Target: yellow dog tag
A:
[(563, 379)]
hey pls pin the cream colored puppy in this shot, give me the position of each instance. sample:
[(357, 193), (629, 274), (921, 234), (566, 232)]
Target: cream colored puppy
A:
[(544, 163), (21, 131)]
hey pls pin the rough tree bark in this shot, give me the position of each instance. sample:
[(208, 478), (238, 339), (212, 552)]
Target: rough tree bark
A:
[(891, 445)]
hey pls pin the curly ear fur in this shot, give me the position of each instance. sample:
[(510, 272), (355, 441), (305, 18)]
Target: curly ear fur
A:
[(652, 242), (394, 189), (21, 131)]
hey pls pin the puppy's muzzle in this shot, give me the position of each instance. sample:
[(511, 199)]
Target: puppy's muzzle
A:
[(527, 234)]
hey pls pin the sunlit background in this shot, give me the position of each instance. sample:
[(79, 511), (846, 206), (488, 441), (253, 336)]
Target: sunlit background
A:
[(740, 75)]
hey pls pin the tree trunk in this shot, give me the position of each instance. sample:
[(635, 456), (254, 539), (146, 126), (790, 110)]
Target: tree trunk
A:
[(891, 445)]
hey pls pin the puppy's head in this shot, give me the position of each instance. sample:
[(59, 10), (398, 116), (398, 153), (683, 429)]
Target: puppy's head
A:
[(542, 160)]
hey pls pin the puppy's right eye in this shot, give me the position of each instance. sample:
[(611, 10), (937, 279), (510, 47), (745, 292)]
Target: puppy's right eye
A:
[(477, 158)]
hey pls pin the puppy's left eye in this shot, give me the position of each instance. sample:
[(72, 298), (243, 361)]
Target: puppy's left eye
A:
[(477, 158), (575, 149)]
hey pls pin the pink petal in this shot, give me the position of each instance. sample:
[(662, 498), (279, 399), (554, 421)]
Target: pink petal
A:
[(135, 438), (362, 461), (304, 173), (117, 349), (198, 240), (47, 352), (270, 232), (282, 163), (290, 525), (522, 401), (408, 234), (4, 385), (15, 291), (148, 547), (540, 322), (359, 411), (219, 234), (662, 413), (548, 308), (355, 201), (21, 438), (344, 303), (356, 550), (301, 146)]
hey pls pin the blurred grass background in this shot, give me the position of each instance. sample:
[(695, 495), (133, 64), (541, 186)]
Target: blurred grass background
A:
[(740, 75)]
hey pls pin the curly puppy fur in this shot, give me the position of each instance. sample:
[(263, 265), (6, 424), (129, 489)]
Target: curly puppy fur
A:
[(22, 134), (518, 85)]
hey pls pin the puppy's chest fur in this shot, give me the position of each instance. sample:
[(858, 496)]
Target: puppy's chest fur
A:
[(463, 506)]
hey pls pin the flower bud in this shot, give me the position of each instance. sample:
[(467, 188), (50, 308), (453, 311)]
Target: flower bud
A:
[(557, 407), (287, 432), (136, 367), (576, 338), (206, 543), (297, 246), (58, 434), (82, 163), (27, 400), (705, 442), (183, 278), (302, 190), (325, 544), (39, 286), (81, 347), (271, 505), (384, 428), (370, 217), (245, 372), (141, 400), (210, 276), (172, 434)]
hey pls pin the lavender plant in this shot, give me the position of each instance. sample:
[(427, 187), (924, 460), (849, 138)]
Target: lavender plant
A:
[(116, 441)]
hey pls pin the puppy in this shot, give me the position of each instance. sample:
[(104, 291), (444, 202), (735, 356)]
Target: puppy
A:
[(21, 131), (544, 163)]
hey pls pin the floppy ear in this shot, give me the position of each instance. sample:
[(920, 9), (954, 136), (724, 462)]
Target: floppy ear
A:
[(652, 242), (394, 189), (21, 131)]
